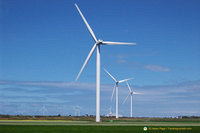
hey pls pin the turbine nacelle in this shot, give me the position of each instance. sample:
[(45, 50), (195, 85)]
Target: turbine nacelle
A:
[(131, 92), (100, 41)]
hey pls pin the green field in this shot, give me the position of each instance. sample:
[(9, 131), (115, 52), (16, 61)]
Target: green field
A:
[(94, 129), (91, 123), (63, 126)]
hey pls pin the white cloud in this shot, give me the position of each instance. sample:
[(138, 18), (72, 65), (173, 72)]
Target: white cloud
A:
[(157, 68), (74, 85), (183, 96)]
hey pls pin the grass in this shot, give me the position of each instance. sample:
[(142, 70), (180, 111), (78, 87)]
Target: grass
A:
[(88, 126), (95, 129), (90, 123)]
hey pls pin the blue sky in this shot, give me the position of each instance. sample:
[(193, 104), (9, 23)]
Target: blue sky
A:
[(43, 45)]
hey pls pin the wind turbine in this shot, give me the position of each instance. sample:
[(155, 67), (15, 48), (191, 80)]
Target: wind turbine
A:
[(96, 46), (44, 110), (110, 111), (77, 110), (131, 95), (116, 88)]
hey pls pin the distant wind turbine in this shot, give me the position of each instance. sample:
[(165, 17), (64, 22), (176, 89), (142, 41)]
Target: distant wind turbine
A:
[(44, 110), (77, 110), (110, 112), (116, 88), (96, 45), (131, 95)]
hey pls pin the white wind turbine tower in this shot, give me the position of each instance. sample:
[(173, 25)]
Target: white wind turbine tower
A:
[(116, 88), (131, 95), (77, 110), (96, 45), (44, 110)]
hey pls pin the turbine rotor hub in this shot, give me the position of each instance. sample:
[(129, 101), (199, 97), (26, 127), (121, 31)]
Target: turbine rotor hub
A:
[(100, 41)]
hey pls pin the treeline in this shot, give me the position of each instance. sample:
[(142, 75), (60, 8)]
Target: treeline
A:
[(49, 117), (92, 118), (190, 116)]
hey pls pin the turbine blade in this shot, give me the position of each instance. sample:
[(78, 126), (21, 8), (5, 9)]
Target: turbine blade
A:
[(125, 80), (110, 75), (129, 87), (87, 59), (117, 43), (126, 98), (113, 92), (86, 23)]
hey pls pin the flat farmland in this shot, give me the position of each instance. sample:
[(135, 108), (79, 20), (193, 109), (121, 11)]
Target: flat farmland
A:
[(61, 126), (90, 123)]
